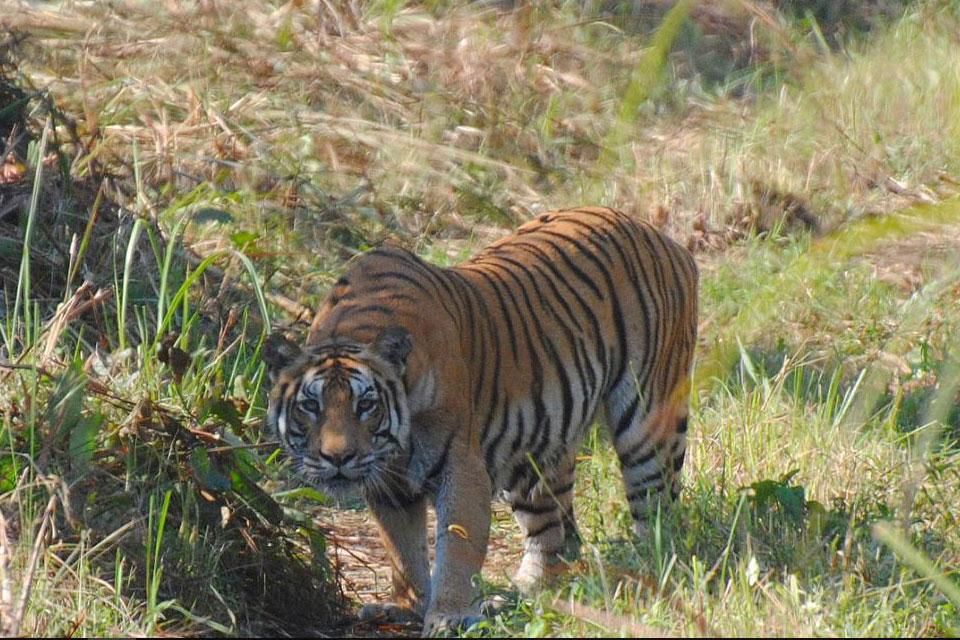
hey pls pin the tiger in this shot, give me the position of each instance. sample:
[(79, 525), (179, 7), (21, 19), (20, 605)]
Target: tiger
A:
[(456, 385)]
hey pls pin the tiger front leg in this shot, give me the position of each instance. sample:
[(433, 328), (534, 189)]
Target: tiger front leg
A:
[(463, 528), (403, 530)]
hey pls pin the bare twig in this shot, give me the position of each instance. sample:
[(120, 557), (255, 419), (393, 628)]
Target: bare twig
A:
[(259, 445), (27, 585), (607, 621), (79, 303), (116, 536), (6, 593)]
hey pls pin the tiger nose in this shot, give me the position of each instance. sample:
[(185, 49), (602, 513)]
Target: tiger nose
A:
[(337, 458)]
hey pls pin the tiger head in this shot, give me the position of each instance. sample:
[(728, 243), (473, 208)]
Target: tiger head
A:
[(339, 408)]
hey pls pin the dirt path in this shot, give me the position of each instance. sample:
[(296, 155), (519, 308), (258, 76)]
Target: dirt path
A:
[(358, 557)]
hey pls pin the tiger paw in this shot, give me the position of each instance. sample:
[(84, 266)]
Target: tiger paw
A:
[(387, 613), (494, 605), (536, 571), (447, 624)]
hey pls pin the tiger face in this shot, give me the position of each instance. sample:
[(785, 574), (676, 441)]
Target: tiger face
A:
[(340, 410)]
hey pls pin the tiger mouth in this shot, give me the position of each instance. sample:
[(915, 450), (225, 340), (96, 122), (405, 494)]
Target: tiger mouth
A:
[(340, 483), (337, 482), (336, 485)]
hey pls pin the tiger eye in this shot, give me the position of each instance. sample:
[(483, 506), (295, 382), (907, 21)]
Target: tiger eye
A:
[(365, 405)]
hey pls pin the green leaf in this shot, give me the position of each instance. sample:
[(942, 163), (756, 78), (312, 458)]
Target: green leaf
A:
[(306, 493), (10, 112), (255, 497), (222, 409), (10, 248), (83, 441), (791, 501), (285, 35), (209, 215), (764, 491), (66, 404), (243, 238), (206, 473), (317, 541), (245, 461), (788, 476), (9, 471)]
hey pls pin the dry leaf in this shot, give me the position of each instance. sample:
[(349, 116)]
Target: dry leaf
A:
[(12, 170)]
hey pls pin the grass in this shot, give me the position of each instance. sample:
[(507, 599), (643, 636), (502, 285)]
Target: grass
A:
[(174, 208)]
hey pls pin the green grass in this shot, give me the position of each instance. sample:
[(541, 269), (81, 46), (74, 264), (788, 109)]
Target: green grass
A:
[(821, 488)]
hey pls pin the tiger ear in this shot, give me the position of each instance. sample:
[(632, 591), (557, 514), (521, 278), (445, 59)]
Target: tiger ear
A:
[(278, 352), (394, 344)]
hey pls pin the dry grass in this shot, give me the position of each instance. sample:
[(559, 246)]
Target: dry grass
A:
[(417, 117)]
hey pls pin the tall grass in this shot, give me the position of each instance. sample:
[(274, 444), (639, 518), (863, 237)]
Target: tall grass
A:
[(127, 456)]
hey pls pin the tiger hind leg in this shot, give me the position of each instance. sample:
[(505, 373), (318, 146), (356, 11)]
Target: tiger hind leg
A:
[(545, 516), (651, 446)]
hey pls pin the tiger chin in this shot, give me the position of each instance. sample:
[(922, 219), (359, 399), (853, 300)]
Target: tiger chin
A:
[(420, 384)]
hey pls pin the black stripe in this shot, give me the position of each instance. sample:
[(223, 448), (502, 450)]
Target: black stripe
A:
[(678, 461), (547, 341), (490, 443), (623, 423), (612, 298), (644, 493), (649, 307), (563, 254), (563, 489), (533, 509), (548, 346), (442, 460), (520, 470), (478, 352), (398, 499), (650, 477), (366, 308), (492, 281), (626, 460), (553, 524), (586, 310), (417, 284), (642, 289), (539, 408)]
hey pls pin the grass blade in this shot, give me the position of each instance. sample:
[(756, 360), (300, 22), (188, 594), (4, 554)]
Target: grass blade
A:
[(916, 560)]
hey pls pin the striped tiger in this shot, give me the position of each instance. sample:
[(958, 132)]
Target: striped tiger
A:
[(451, 385)]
